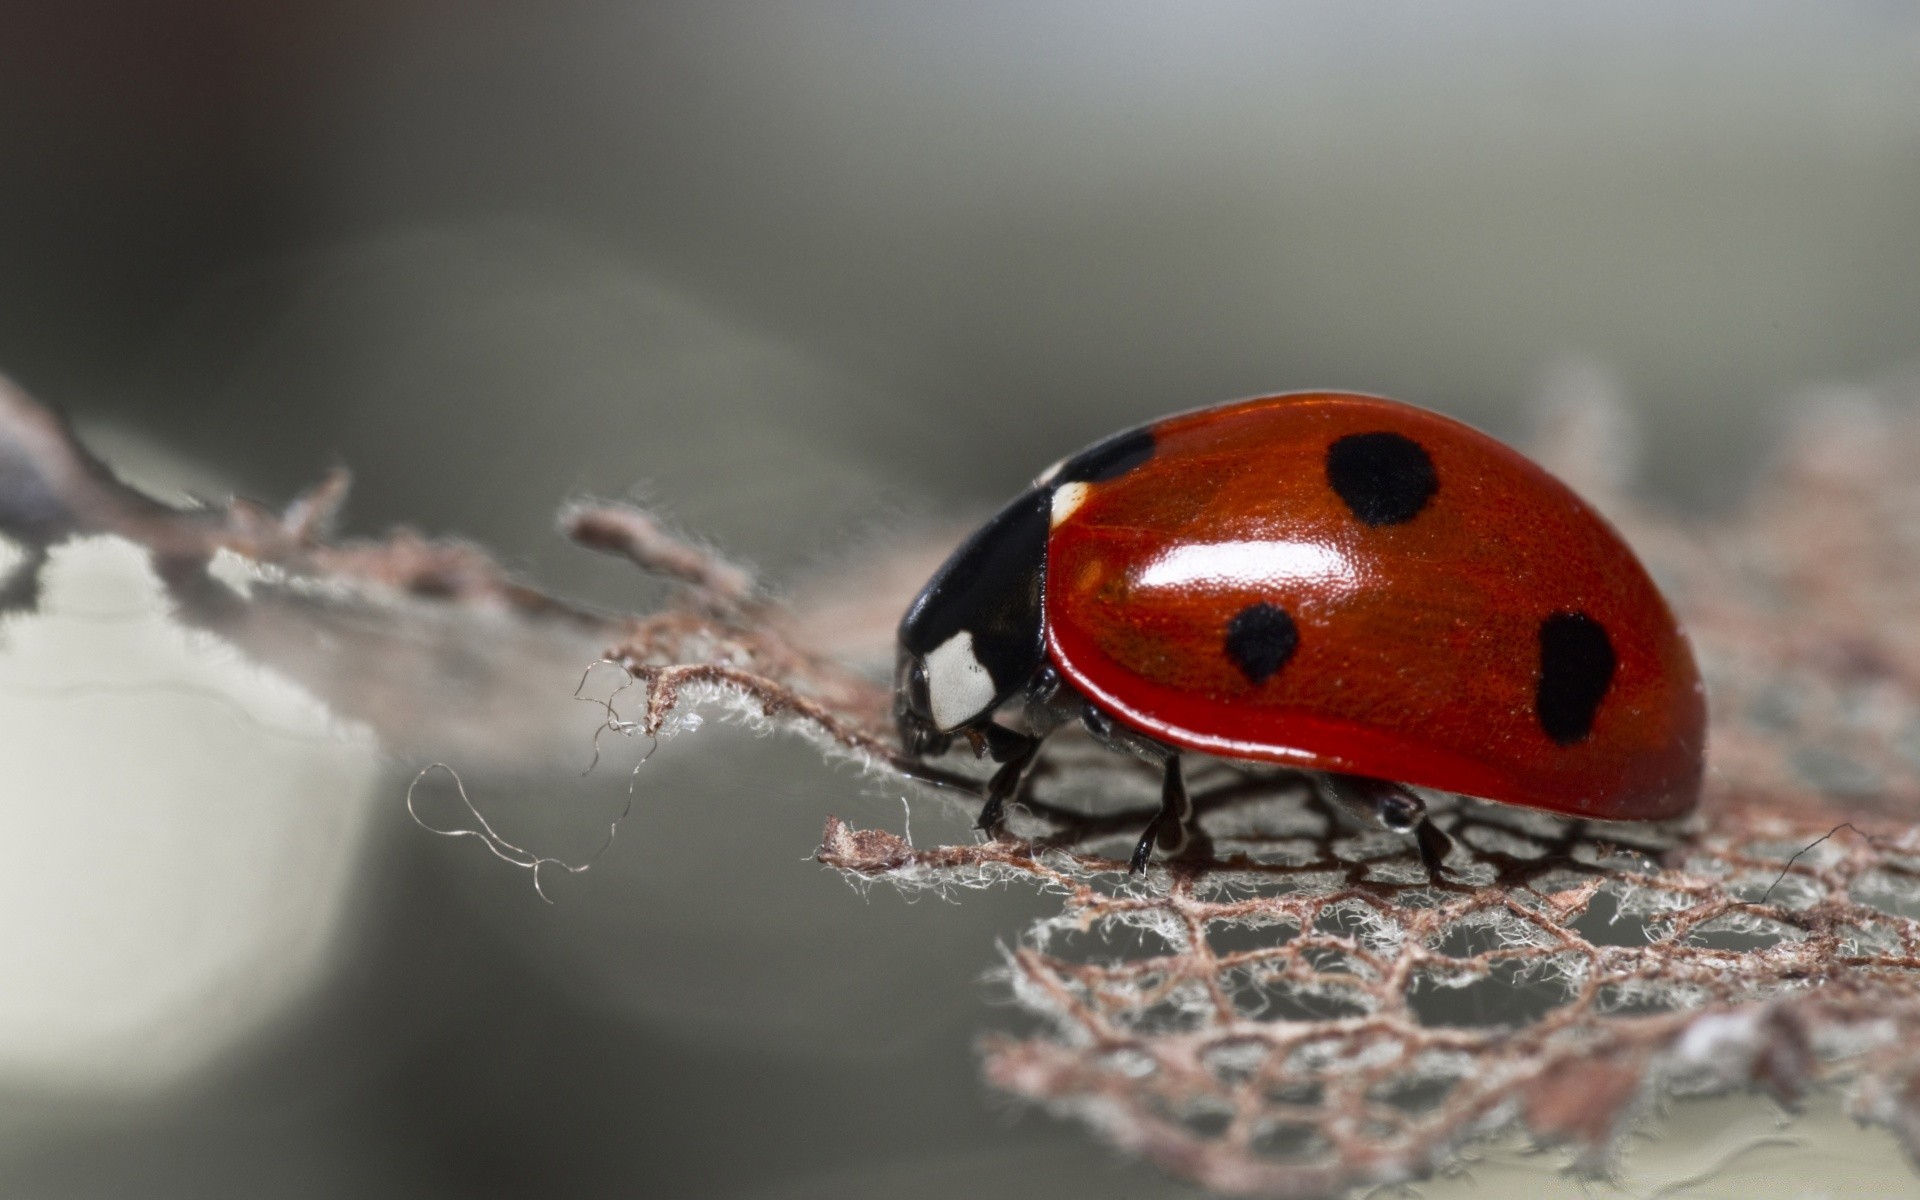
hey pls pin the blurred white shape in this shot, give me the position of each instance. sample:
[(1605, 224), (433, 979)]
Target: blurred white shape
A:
[(181, 829)]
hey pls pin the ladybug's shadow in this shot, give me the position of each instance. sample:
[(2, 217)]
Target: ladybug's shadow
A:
[(1278, 822)]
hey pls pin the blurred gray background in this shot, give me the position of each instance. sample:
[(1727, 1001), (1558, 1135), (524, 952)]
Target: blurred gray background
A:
[(808, 277)]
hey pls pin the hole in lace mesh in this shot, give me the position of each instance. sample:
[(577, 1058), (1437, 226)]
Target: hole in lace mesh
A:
[(1349, 920), (1605, 924), (1181, 1010), (1234, 937), (1291, 1141), (1416, 1095), (1873, 940), (1739, 932), (1207, 1122), (1127, 1061), (1109, 942), (1269, 999), (1506, 993), (1235, 1062), (1641, 1000), (1472, 938), (1894, 892), (1299, 1093)]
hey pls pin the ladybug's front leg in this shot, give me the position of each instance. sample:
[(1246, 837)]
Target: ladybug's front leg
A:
[(1047, 706), (1015, 752)]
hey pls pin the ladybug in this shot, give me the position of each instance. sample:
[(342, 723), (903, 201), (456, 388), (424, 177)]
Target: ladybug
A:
[(1333, 582)]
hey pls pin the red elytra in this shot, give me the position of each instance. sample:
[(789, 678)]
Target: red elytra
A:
[(1335, 582), (1419, 643)]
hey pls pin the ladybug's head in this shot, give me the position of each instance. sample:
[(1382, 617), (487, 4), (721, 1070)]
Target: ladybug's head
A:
[(913, 708), (974, 635)]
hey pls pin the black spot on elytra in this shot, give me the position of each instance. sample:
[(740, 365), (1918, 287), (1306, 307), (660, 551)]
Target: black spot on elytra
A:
[(1108, 458), (1384, 478), (1576, 668), (1260, 640)]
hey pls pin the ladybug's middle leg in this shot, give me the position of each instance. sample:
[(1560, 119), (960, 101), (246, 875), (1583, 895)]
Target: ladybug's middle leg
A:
[(1383, 804), (1172, 826), (1175, 807)]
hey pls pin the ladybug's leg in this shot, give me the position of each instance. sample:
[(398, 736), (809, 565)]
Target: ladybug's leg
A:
[(1175, 806), (1015, 753), (1047, 707), (1434, 844), (1383, 804)]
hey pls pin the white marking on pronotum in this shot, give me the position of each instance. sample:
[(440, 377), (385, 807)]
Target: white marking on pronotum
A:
[(958, 687), (1066, 498), (1046, 476)]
